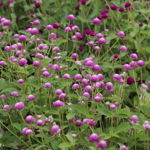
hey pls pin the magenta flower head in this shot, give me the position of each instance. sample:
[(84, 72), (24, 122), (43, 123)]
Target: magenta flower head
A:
[(121, 34), (90, 63), (123, 48), (62, 96), (2, 63), (20, 81), (94, 78), (49, 27), (126, 66), (130, 80), (109, 85), (97, 98), (86, 95), (22, 37), (56, 48), (23, 62), (55, 129), (96, 68), (92, 122), (77, 77), (102, 144), (56, 25), (113, 7), (123, 147), (7, 107), (36, 63), (46, 74), (88, 88), (117, 77), (66, 76), (58, 91), (94, 137), (127, 5), (47, 85), (14, 93), (102, 41), (58, 103), (24, 130), (134, 56), (121, 9), (140, 63), (28, 131), (96, 21), (75, 86), (31, 97), (3, 96), (134, 118), (78, 123), (112, 106), (75, 55), (19, 105), (40, 122), (29, 119), (71, 17), (36, 22)]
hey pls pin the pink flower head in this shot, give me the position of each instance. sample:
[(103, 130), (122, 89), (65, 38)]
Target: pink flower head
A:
[(71, 17), (66, 76), (121, 34), (94, 137), (96, 21), (102, 144), (55, 129), (31, 97), (58, 103), (19, 105)]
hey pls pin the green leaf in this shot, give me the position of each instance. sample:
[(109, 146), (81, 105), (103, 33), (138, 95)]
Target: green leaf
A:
[(115, 98), (9, 90), (60, 41), (92, 148), (104, 111), (122, 127), (70, 138), (37, 148), (81, 109), (17, 126), (65, 145), (70, 115)]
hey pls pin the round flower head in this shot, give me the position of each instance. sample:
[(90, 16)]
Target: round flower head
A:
[(96, 68), (71, 17), (134, 118), (29, 119), (36, 63), (7, 107), (117, 77), (94, 78), (62, 96), (121, 9), (22, 37), (20, 81), (130, 80), (2, 63), (97, 98), (91, 122), (97, 48), (77, 77), (24, 130), (127, 5), (123, 147), (75, 86), (58, 91), (102, 41), (56, 25), (78, 123), (66, 76), (96, 21), (94, 137), (55, 129), (126, 66), (46, 74), (22, 62), (109, 85), (47, 85), (88, 88), (14, 93), (19, 105), (40, 122), (49, 27), (102, 144), (36, 22), (112, 106), (58, 103), (134, 56), (31, 97), (28, 131), (140, 63), (123, 48), (121, 34)]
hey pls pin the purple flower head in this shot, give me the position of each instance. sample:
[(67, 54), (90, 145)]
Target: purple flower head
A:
[(20, 81), (47, 85), (62, 96), (78, 123), (127, 5), (66, 76), (31, 97), (40, 122), (96, 21), (134, 56), (19, 105), (71, 17), (121, 9), (14, 93), (94, 137), (7, 107), (55, 129), (121, 34), (140, 63), (58, 91), (123, 48), (56, 25), (102, 41), (102, 144), (58, 103), (123, 147), (113, 7), (29, 119), (36, 22)]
